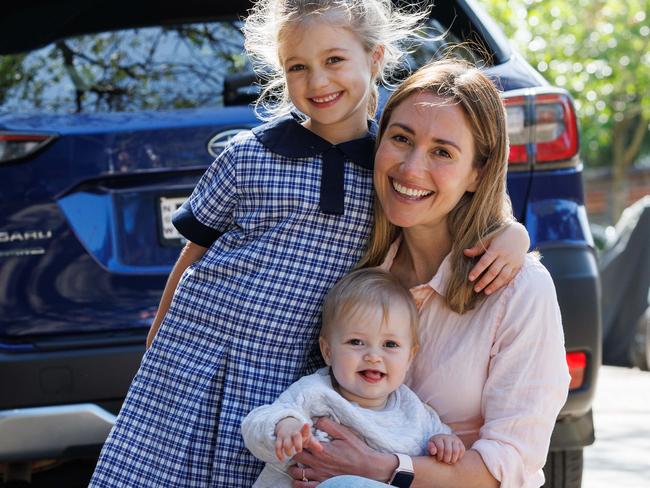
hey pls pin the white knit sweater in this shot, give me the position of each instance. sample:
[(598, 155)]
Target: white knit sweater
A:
[(403, 426)]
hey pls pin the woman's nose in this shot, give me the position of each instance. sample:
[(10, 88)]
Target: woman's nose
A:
[(414, 162)]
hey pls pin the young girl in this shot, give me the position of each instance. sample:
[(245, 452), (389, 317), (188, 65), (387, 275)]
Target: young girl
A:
[(281, 215), (369, 338)]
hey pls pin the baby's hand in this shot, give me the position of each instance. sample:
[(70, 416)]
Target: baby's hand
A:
[(446, 448), (292, 437), (501, 260)]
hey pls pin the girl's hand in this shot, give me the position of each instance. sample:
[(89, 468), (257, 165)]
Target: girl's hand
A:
[(345, 454), (446, 448), (292, 437), (502, 258)]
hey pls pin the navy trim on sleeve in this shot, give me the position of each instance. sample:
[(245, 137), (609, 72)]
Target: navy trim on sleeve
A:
[(190, 228)]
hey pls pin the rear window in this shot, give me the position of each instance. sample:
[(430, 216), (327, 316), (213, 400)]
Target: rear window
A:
[(153, 68), (158, 68)]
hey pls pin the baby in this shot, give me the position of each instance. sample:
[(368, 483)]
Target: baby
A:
[(368, 340)]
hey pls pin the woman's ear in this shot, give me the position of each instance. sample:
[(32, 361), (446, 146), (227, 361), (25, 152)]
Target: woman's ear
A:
[(475, 178), (325, 350)]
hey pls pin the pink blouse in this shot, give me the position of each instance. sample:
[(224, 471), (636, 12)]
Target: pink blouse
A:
[(497, 375)]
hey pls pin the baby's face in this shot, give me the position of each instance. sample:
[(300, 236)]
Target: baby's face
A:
[(370, 356)]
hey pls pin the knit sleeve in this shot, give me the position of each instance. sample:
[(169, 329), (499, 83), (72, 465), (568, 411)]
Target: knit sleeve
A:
[(258, 427)]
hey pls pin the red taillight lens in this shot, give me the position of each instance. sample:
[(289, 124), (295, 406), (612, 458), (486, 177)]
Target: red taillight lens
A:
[(542, 127), (15, 146), (577, 362)]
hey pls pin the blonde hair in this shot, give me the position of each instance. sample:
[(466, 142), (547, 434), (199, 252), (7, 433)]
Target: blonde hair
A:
[(363, 288), (477, 214), (375, 22)]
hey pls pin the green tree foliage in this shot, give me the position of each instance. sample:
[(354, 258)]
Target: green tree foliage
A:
[(599, 50)]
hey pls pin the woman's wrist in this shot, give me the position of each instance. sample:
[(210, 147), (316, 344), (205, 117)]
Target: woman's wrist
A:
[(381, 466)]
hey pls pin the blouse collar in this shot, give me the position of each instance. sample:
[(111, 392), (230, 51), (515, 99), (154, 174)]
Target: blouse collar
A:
[(439, 280), (287, 137)]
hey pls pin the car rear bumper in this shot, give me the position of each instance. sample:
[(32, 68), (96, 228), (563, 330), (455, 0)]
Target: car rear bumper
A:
[(575, 274), (78, 370), (61, 400)]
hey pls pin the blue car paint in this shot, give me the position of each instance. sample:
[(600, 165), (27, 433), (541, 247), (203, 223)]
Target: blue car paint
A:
[(92, 195)]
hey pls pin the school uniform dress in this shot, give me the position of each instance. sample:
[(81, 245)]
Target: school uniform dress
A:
[(285, 214)]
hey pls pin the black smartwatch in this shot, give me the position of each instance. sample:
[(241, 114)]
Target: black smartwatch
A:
[(404, 474)]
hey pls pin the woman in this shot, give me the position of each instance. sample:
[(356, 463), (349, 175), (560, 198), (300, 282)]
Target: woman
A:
[(493, 367)]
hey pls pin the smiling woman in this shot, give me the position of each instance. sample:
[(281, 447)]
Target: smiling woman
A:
[(425, 162)]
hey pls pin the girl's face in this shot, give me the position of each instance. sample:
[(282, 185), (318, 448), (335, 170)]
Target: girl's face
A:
[(329, 76), (424, 163), (370, 354)]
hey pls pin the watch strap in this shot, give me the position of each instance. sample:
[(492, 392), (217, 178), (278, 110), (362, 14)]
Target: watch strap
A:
[(404, 474)]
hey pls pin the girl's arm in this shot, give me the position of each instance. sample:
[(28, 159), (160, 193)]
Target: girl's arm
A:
[(347, 454), (189, 254), (502, 258)]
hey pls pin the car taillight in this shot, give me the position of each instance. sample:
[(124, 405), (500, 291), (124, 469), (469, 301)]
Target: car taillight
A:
[(577, 362), (18, 145), (542, 127)]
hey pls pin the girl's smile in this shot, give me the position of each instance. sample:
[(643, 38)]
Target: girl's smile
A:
[(327, 100)]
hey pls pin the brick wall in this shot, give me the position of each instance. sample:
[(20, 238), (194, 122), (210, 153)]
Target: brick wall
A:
[(598, 192)]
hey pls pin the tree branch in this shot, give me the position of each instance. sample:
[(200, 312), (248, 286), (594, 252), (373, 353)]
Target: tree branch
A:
[(633, 148)]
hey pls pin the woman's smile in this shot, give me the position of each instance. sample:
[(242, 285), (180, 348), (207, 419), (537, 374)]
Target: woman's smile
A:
[(410, 192)]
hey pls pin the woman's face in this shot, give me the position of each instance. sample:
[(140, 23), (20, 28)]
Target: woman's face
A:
[(424, 163)]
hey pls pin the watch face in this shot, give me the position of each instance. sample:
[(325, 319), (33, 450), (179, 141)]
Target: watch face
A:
[(403, 479)]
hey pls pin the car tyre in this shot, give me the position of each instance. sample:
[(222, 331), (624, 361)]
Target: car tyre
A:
[(563, 469), (640, 350)]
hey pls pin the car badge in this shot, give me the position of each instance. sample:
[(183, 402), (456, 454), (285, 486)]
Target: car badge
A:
[(219, 141)]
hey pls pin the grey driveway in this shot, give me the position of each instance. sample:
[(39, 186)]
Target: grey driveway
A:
[(620, 458)]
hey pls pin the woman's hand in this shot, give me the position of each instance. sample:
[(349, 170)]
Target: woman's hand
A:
[(345, 454), (502, 258)]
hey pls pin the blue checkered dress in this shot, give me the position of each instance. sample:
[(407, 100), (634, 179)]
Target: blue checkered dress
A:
[(244, 321)]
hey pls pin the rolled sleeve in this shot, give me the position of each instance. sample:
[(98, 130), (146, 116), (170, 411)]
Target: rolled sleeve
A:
[(527, 382), (208, 212)]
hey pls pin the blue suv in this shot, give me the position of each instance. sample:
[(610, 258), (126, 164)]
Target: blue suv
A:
[(109, 115)]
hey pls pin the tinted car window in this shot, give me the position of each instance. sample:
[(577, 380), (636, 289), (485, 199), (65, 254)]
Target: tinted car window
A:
[(128, 70)]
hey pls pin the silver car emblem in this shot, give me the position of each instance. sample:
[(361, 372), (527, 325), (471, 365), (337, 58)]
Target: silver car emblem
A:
[(219, 141)]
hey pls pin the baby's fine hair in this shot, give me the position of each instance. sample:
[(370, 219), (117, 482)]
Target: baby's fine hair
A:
[(375, 22), (364, 288)]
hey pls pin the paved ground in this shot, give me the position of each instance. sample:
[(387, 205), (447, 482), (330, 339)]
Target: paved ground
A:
[(620, 458)]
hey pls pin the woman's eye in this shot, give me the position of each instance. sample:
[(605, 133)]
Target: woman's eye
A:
[(296, 67), (442, 153), (400, 138), (391, 344), (334, 59)]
